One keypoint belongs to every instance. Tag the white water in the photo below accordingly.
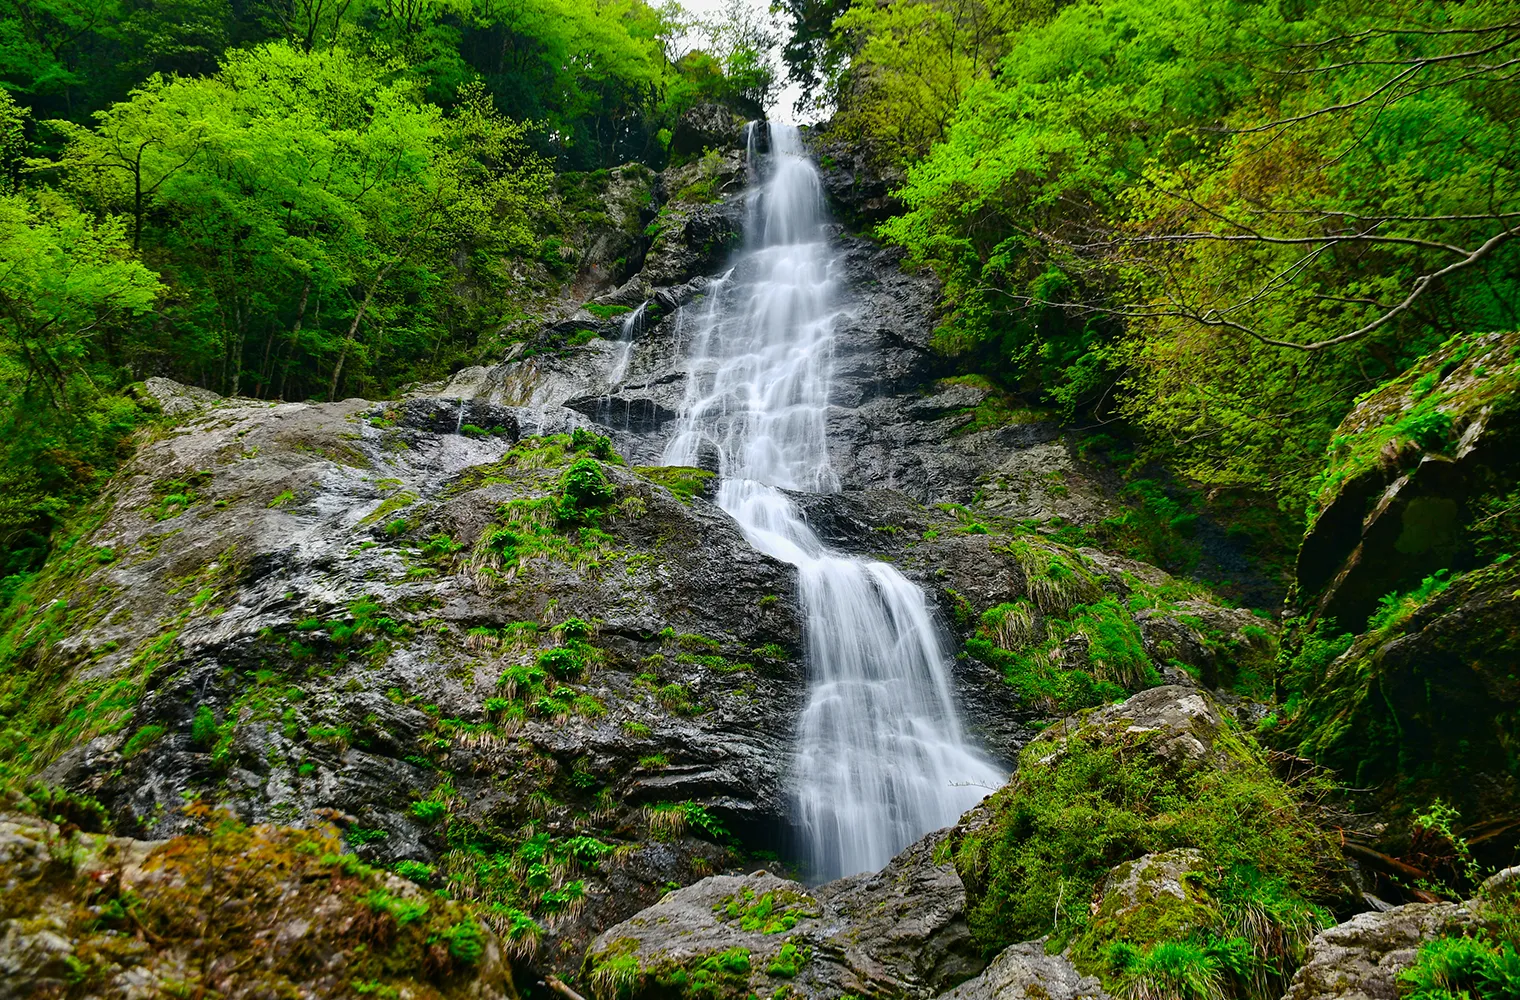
(881, 759)
(633, 324)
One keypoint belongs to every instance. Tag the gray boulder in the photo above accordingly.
(1361, 958)
(900, 932)
(1025, 972)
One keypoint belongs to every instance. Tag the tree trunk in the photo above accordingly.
(295, 336)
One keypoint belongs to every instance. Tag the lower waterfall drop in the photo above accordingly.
(881, 758)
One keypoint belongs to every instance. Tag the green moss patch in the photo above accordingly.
(685, 483)
(1089, 796)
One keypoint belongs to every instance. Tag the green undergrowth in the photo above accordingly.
(1072, 643)
(564, 524)
(1087, 799)
(1482, 964)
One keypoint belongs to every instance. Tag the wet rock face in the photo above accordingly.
(1404, 472)
(859, 186)
(350, 609)
(892, 422)
(900, 932)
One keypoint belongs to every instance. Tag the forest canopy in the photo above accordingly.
(1215, 222)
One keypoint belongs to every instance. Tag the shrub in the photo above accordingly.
(466, 942)
(417, 871)
(584, 492)
(429, 810)
(203, 728)
(142, 740)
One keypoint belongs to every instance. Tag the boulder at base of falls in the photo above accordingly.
(241, 912)
(900, 932)
(1168, 784)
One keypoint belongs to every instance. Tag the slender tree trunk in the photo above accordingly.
(295, 336)
(353, 329)
(266, 374)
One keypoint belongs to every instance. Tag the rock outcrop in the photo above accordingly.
(1409, 551)
(1361, 958)
(350, 607)
(1424, 707)
(1408, 471)
(900, 932)
(1026, 972)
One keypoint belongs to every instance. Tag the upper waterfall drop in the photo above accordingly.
(881, 758)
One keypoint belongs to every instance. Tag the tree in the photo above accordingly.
(1223, 221)
(67, 281)
(292, 198)
(812, 54)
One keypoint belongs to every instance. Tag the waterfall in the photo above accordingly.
(881, 758)
(632, 325)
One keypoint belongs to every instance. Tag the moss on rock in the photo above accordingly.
(1162, 772)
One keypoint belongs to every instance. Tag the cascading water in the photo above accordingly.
(881, 758)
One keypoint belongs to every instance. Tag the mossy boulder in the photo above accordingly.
(227, 910)
(899, 932)
(718, 939)
(1166, 771)
(1408, 473)
(1157, 897)
(1026, 972)
(1425, 705)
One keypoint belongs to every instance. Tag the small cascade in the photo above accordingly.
(459, 420)
(633, 325)
(881, 757)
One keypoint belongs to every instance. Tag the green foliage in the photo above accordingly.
(1463, 968)
(789, 960)
(70, 285)
(429, 810)
(465, 940)
(203, 728)
(1394, 609)
(1091, 182)
(1066, 647)
(769, 912)
(142, 740)
(1179, 970)
(585, 490)
(402, 910)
